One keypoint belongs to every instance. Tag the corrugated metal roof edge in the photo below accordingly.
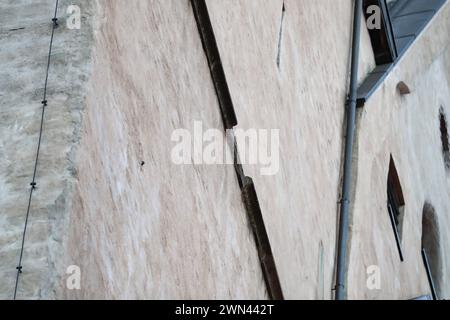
(376, 78)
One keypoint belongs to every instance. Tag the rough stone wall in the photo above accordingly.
(25, 29)
(135, 72)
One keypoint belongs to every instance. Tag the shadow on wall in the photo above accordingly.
(431, 244)
(444, 138)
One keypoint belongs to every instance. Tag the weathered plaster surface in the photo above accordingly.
(408, 128)
(134, 73)
(304, 98)
(161, 230)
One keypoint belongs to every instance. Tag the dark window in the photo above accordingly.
(409, 17)
(382, 39)
(431, 249)
(396, 205)
(444, 139)
(401, 23)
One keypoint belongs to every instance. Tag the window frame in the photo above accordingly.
(395, 205)
(426, 263)
(388, 54)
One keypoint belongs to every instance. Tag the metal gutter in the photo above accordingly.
(348, 157)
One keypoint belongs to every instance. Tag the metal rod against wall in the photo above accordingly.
(266, 258)
(429, 275)
(229, 118)
(33, 183)
(348, 157)
(212, 54)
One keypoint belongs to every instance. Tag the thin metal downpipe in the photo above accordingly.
(347, 178)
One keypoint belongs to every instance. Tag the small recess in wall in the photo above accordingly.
(280, 35)
(403, 88)
(444, 138)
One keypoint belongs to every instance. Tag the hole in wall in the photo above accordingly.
(280, 35)
(395, 196)
(396, 205)
(403, 88)
(444, 138)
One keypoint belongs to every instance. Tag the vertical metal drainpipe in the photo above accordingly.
(348, 157)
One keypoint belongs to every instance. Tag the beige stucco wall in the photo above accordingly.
(305, 99)
(134, 73)
(408, 128)
(163, 230)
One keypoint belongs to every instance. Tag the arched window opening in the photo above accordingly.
(396, 205)
(431, 249)
(444, 139)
